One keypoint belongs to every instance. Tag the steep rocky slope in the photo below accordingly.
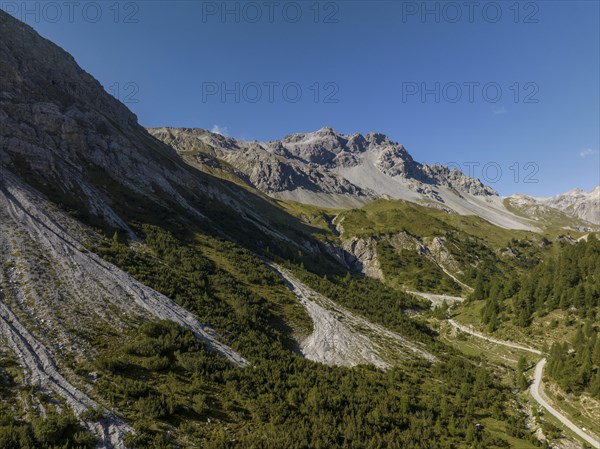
(63, 134)
(56, 296)
(340, 337)
(66, 145)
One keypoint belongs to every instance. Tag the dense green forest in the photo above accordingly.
(568, 281)
(163, 379)
(175, 392)
(576, 367)
(571, 280)
(413, 270)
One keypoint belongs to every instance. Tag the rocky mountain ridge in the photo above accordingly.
(578, 203)
(314, 161)
(329, 169)
(64, 135)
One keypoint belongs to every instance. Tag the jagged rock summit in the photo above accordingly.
(335, 170)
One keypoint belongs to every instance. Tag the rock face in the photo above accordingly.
(60, 128)
(365, 254)
(65, 142)
(271, 167)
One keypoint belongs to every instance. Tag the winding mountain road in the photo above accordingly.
(509, 344)
(436, 299)
(536, 387)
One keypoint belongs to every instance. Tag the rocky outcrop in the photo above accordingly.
(562, 238)
(360, 254)
(438, 248)
(364, 252)
(405, 241)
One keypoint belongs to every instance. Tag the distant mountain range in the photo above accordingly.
(575, 203)
(334, 170)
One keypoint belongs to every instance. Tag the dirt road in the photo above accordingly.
(536, 386)
(536, 389)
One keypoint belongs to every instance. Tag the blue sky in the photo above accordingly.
(505, 85)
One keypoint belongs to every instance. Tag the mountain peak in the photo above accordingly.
(326, 131)
(378, 138)
(574, 192)
(51, 77)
